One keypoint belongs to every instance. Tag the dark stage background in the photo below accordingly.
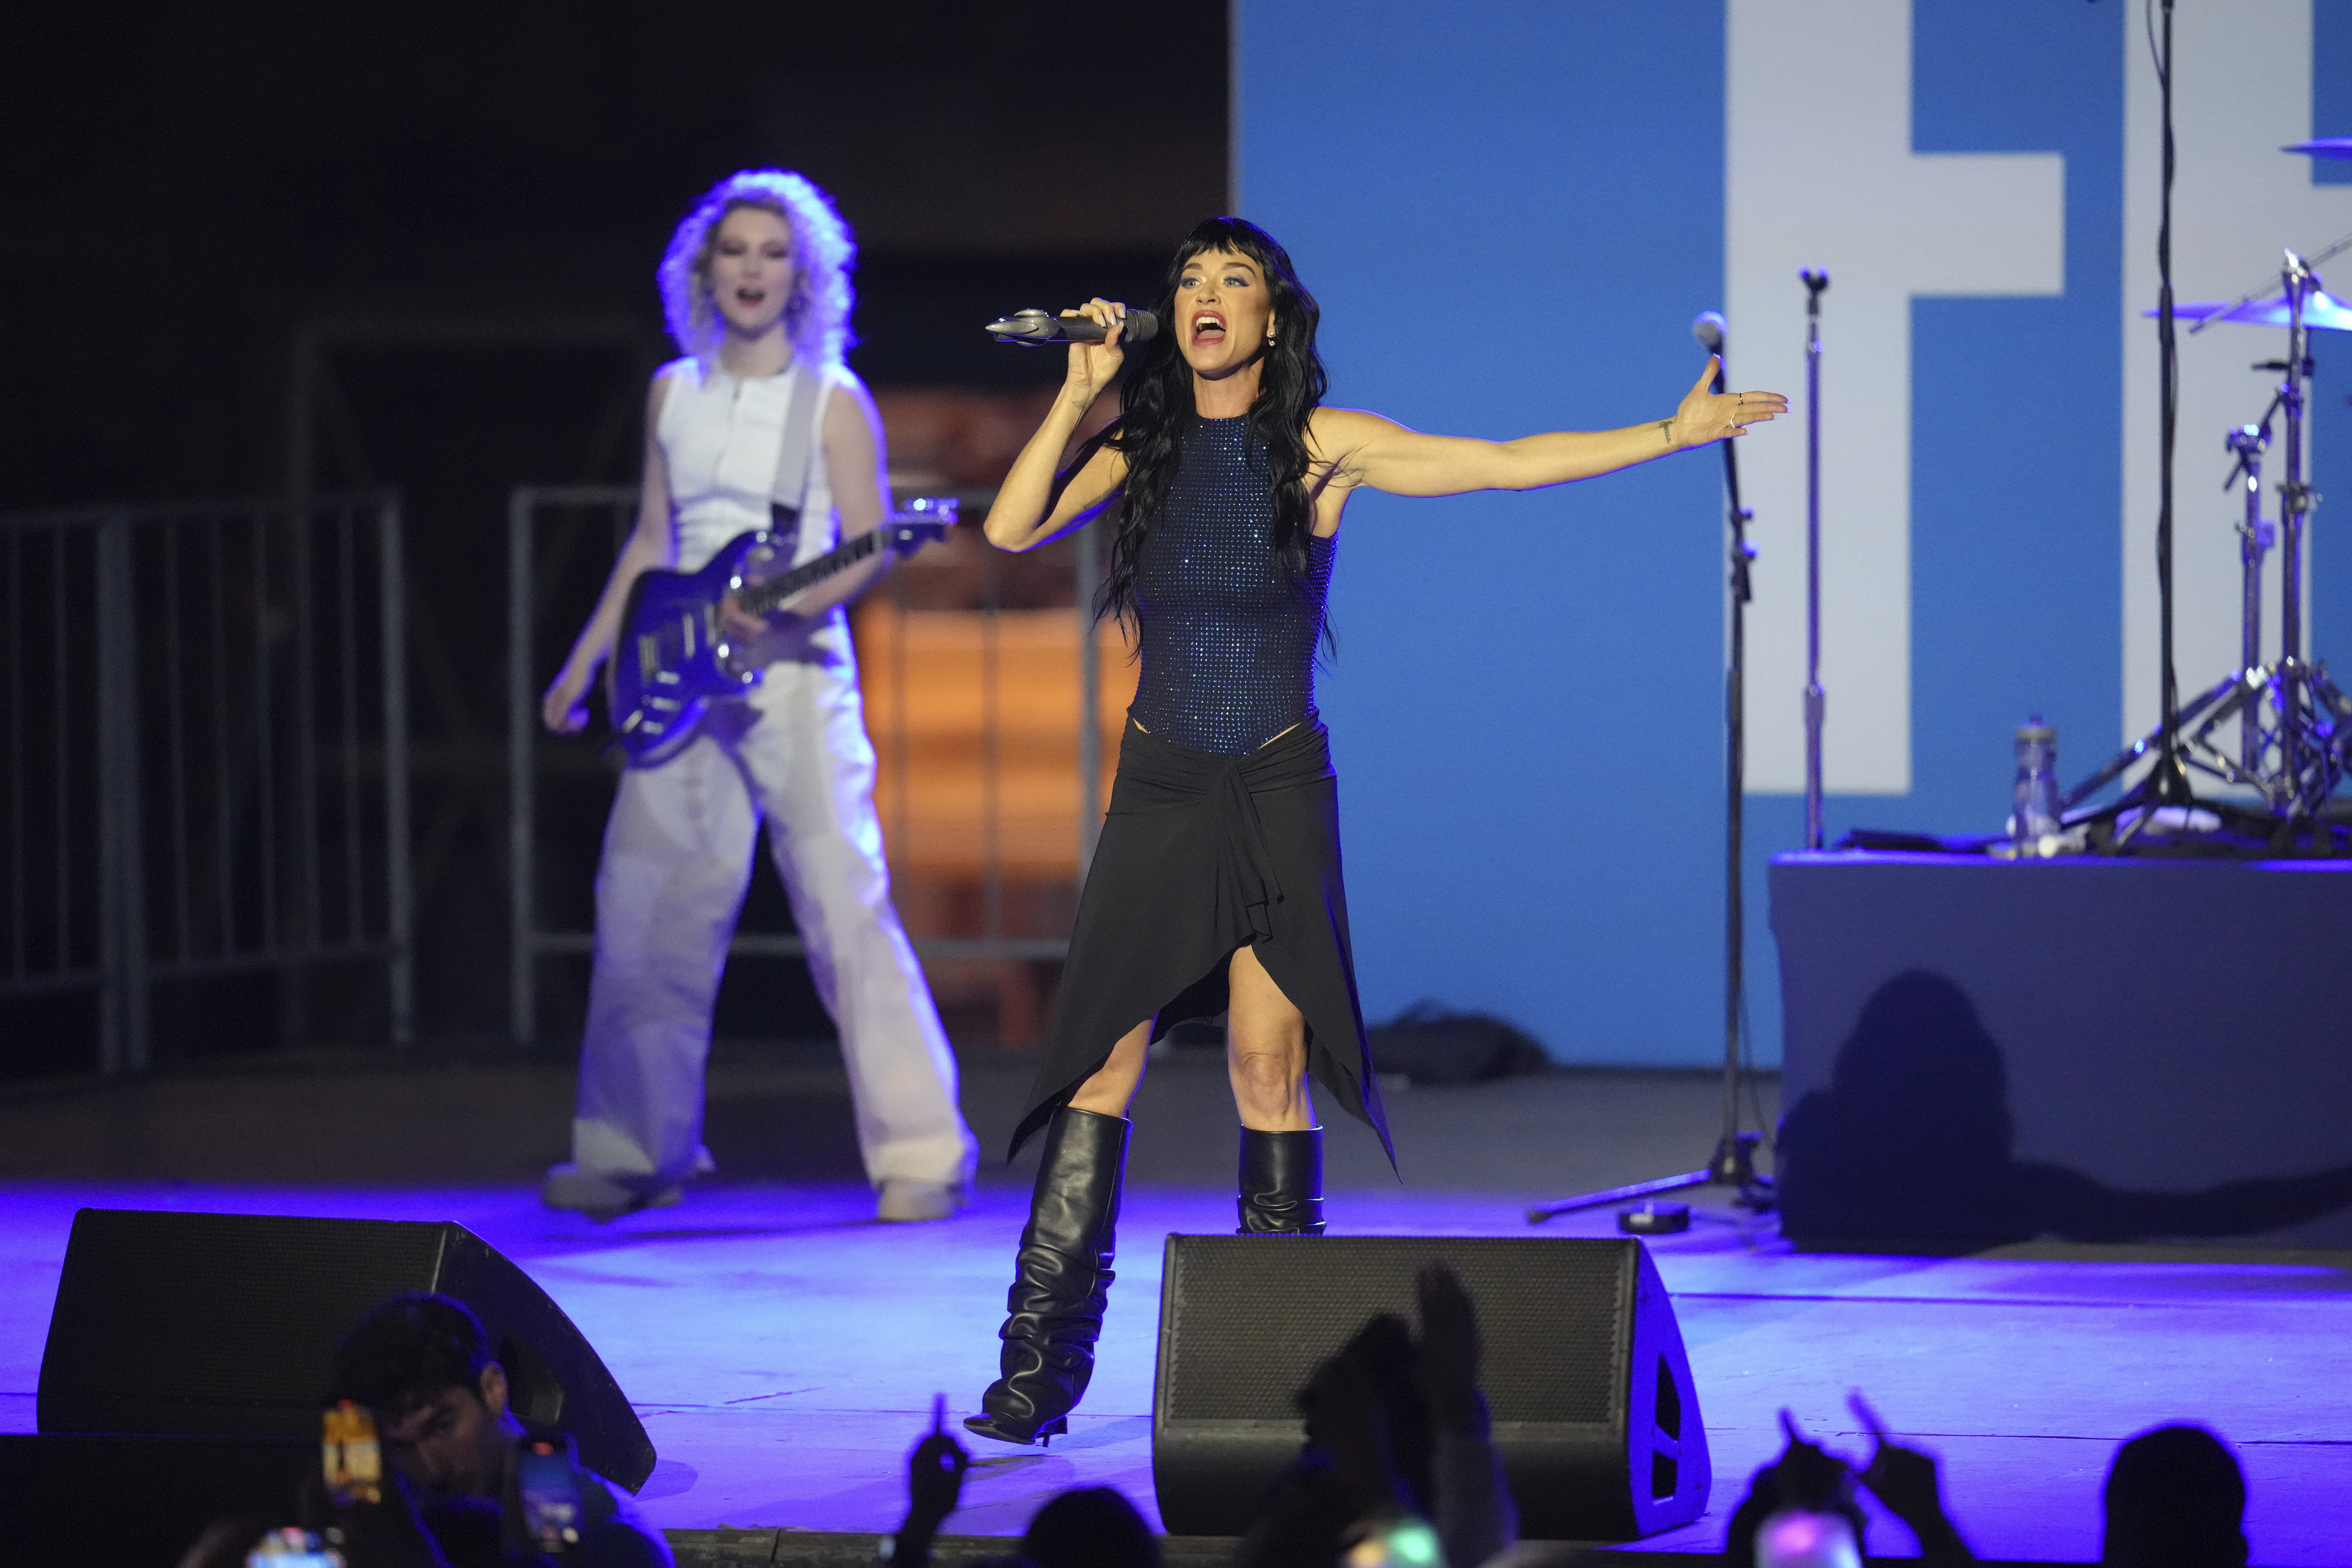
(484, 192)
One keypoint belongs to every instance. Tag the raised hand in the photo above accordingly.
(935, 1478)
(1706, 416)
(1907, 1481)
(1449, 1351)
(1345, 1420)
(1092, 365)
(934, 1484)
(935, 1474)
(1910, 1483)
(1809, 1475)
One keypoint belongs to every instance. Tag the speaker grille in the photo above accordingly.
(225, 1309)
(1549, 1312)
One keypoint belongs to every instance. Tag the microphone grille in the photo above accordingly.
(1707, 328)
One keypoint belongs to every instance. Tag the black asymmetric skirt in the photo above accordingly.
(1202, 854)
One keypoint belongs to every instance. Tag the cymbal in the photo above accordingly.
(2321, 312)
(2326, 147)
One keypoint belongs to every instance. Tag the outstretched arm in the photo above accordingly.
(1382, 455)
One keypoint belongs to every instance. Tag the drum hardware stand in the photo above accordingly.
(2255, 538)
(2294, 727)
(1734, 1162)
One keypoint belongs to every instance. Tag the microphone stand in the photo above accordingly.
(1734, 1162)
(1815, 283)
(2166, 783)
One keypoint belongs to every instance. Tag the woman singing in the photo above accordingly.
(1216, 887)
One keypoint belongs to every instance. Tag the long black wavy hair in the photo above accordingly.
(1157, 399)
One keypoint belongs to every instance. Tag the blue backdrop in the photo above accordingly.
(1510, 210)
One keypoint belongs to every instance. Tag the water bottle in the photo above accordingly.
(2035, 799)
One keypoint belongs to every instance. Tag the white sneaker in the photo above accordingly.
(903, 1201)
(600, 1197)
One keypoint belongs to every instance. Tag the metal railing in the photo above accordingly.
(560, 541)
(204, 712)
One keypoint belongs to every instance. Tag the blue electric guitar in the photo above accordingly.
(674, 657)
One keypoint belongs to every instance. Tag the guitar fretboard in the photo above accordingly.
(762, 598)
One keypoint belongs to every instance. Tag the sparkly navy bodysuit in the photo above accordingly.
(1227, 636)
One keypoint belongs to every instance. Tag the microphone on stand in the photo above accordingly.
(1733, 1165)
(1707, 328)
(1033, 328)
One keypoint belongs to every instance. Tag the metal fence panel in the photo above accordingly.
(206, 770)
(56, 925)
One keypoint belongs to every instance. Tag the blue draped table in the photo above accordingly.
(2130, 1050)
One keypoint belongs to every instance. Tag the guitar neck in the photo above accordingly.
(763, 598)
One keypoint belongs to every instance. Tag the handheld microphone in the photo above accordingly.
(1035, 328)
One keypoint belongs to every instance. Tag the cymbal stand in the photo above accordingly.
(2295, 501)
(2295, 726)
(2255, 538)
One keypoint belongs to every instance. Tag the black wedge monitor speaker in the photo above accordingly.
(1595, 1417)
(223, 1326)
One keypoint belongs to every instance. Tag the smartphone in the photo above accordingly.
(291, 1548)
(549, 1485)
(1400, 1542)
(350, 1453)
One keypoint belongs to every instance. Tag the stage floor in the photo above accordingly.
(784, 1350)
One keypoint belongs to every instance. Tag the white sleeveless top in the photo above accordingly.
(721, 436)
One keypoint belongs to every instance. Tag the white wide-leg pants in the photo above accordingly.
(677, 863)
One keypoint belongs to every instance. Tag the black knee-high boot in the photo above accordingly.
(1060, 1279)
(1282, 1182)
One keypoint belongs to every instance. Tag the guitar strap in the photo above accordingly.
(804, 401)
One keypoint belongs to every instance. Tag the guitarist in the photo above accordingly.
(755, 287)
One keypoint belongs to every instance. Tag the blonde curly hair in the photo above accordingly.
(817, 318)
